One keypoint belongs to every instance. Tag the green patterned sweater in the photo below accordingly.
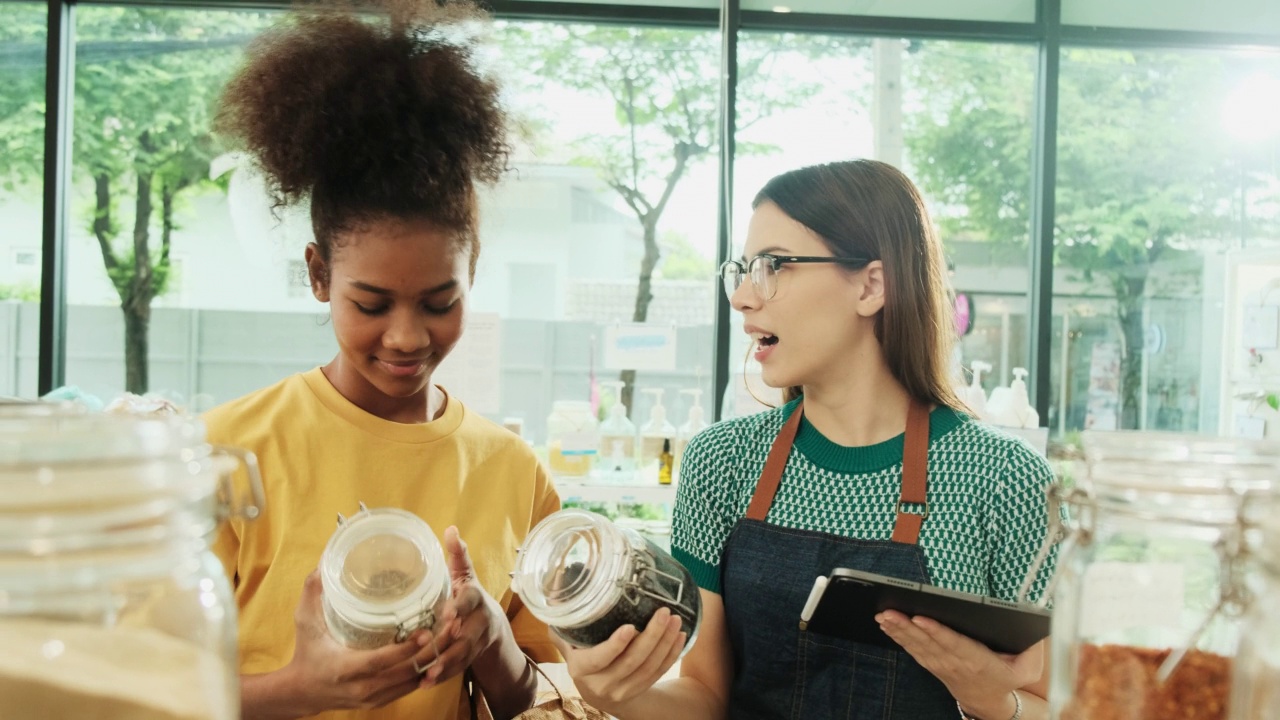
(986, 494)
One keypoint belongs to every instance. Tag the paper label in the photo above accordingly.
(640, 347)
(578, 443)
(1119, 595)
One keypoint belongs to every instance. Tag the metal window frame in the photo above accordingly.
(1046, 31)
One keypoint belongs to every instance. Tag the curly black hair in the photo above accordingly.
(370, 115)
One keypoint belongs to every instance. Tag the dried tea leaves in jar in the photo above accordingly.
(1118, 682)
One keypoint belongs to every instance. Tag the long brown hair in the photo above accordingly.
(866, 208)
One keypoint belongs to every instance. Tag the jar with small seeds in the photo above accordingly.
(585, 577)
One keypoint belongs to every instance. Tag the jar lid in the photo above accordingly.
(46, 433)
(569, 567)
(1180, 463)
(384, 563)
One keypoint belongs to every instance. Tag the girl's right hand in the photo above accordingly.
(627, 664)
(326, 675)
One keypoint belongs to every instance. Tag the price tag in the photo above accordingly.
(1120, 595)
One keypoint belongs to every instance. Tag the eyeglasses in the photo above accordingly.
(763, 270)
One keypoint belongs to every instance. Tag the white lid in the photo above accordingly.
(383, 566)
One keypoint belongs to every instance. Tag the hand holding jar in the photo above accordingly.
(627, 664)
(326, 675)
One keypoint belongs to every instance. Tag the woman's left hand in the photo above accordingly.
(471, 622)
(982, 681)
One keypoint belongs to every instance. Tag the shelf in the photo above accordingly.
(594, 492)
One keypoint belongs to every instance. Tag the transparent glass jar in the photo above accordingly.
(585, 577)
(1255, 691)
(111, 603)
(1154, 579)
(384, 577)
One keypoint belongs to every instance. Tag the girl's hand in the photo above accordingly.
(627, 664)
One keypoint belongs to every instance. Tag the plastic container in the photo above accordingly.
(973, 395)
(585, 577)
(111, 602)
(1154, 582)
(384, 577)
(573, 436)
(616, 461)
(655, 432)
(695, 422)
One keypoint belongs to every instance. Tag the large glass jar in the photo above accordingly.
(585, 577)
(1153, 581)
(1256, 689)
(111, 604)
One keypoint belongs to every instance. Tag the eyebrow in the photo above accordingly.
(772, 249)
(383, 291)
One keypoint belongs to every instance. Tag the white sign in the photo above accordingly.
(472, 373)
(1261, 330)
(639, 347)
(1121, 595)
(1250, 427)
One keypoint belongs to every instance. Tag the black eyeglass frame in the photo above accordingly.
(777, 261)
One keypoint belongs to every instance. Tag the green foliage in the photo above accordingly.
(22, 292)
(682, 261)
(1273, 401)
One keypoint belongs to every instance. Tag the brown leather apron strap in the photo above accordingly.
(767, 485)
(915, 452)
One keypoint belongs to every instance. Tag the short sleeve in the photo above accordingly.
(1021, 523)
(703, 517)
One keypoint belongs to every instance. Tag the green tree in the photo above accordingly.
(1145, 179)
(681, 260)
(146, 81)
(665, 89)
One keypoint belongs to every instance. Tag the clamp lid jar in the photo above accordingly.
(585, 577)
(384, 577)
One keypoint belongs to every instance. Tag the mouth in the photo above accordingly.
(764, 340)
(403, 368)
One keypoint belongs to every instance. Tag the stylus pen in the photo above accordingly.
(819, 584)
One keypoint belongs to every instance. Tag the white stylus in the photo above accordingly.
(819, 585)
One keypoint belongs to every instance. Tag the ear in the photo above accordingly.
(317, 272)
(871, 298)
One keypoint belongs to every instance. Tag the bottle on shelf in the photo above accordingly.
(694, 423)
(616, 460)
(653, 434)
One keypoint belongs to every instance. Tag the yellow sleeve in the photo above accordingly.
(531, 634)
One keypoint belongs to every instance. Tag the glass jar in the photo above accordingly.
(1255, 693)
(1153, 581)
(111, 603)
(573, 436)
(585, 577)
(384, 577)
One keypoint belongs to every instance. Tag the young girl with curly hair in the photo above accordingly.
(384, 125)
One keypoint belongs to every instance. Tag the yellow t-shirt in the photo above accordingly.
(320, 455)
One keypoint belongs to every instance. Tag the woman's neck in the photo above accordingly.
(862, 406)
(420, 407)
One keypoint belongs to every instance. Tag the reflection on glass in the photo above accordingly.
(1164, 184)
(22, 76)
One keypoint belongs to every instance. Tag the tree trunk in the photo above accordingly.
(644, 296)
(1130, 301)
(136, 304)
(137, 321)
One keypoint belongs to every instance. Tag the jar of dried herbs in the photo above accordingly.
(384, 577)
(1156, 577)
(585, 577)
(111, 601)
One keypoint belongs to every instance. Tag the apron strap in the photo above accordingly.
(915, 450)
(767, 485)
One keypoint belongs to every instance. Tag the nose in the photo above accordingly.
(406, 332)
(745, 297)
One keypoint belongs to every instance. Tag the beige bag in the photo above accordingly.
(560, 707)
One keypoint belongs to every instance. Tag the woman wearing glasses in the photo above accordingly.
(842, 288)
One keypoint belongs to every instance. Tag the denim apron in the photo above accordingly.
(767, 572)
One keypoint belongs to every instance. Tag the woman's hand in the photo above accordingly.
(627, 664)
(326, 675)
(471, 623)
(981, 680)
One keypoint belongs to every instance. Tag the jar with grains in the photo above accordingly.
(585, 577)
(111, 603)
(1155, 577)
(384, 577)
(1256, 690)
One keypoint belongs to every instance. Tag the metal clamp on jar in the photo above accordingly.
(111, 603)
(384, 577)
(1154, 580)
(586, 577)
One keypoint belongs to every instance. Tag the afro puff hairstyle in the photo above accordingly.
(370, 115)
